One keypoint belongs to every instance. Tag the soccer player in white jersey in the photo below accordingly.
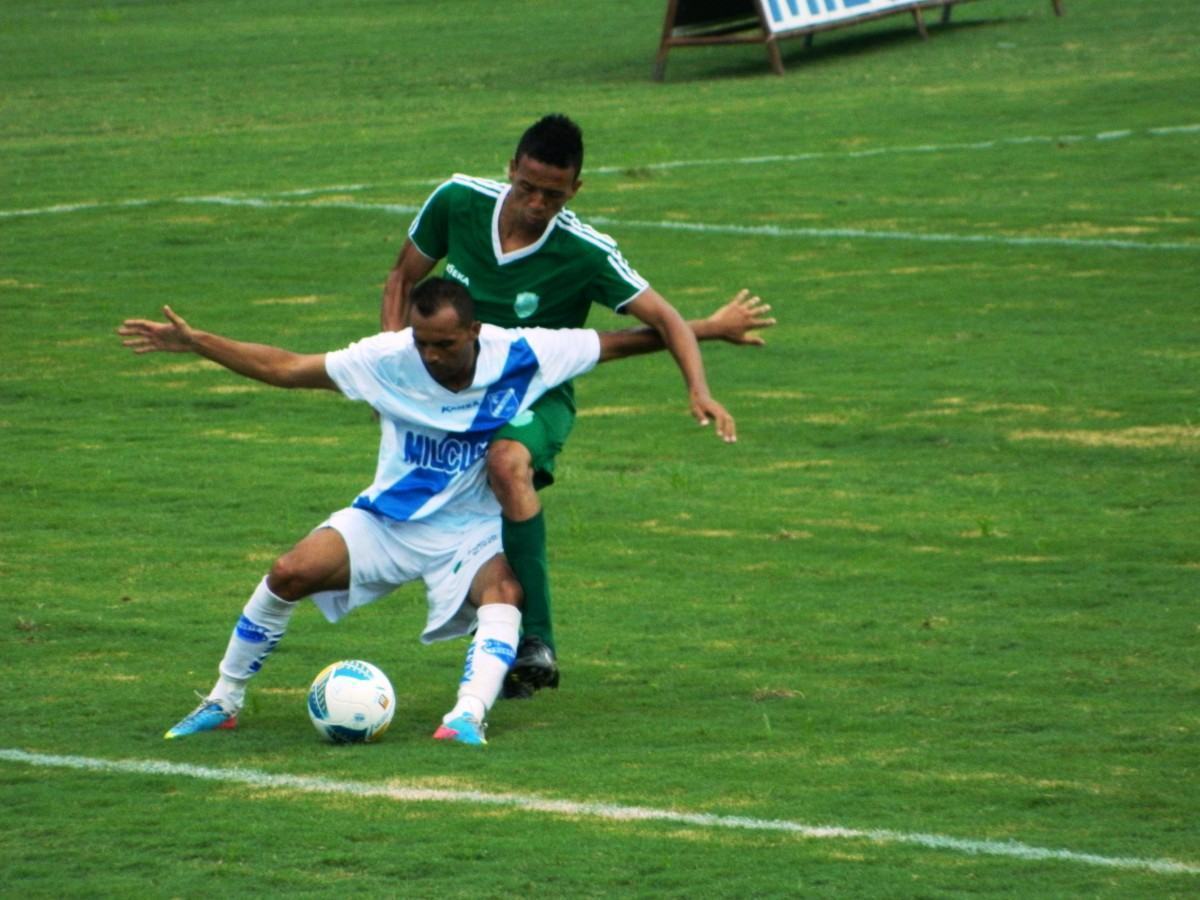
(528, 261)
(442, 387)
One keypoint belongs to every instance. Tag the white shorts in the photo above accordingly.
(385, 554)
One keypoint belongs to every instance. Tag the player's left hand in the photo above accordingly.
(706, 409)
(739, 319)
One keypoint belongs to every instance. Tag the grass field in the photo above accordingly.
(929, 629)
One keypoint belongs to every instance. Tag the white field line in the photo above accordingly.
(71, 207)
(774, 231)
(267, 201)
(920, 236)
(994, 144)
(62, 208)
(603, 811)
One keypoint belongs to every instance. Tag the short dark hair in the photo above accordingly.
(554, 140)
(433, 293)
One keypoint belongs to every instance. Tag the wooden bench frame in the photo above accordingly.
(743, 30)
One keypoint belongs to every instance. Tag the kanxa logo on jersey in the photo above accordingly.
(450, 454)
(454, 272)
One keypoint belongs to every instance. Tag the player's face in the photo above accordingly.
(539, 192)
(447, 347)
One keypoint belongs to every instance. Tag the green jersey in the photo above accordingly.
(549, 284)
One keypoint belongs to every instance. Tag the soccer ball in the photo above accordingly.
(351, 702)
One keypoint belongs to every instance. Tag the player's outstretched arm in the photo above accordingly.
(273, 365)
(653, 309)
(736, 322)
(631, 342)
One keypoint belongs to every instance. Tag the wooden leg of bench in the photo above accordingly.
(660, 65)
(774, 56)
(919, 18)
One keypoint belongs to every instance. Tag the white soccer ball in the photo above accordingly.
(351, 701)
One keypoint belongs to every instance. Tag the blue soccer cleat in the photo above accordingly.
(210, 715)
(466, 729)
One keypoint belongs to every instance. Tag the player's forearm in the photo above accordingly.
(629, 342)
(261, 362)
(411, 266)
(644, 339)
(680, 340)
(393, 313)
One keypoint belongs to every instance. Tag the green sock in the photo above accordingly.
(525, 547)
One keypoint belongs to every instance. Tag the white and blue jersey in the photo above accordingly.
(434, 440)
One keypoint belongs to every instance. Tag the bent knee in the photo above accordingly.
(291, 579)
(511, 593)
(509, 463)
(506, 591)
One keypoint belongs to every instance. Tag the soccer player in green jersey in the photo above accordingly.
(528, 261)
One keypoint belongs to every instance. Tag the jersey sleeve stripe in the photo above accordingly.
(627, 273)
(620, 307)
(480, 185)
(483, 185)
(571, 223)
(412, 228)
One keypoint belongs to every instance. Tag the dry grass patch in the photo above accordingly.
(798, 464)
(1029, 560)
(828, 419)
(1183, 437)
(775, 395)
(306, 300)
(235, 389)
(176, 368)
(656, 527)
(594, 411)
(849, 524)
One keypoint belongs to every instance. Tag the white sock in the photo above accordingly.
(491, 654)
(260, 627)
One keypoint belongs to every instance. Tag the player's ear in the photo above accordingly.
(512, 169)
(475, 326)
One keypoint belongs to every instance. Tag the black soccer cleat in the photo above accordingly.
(536, 668)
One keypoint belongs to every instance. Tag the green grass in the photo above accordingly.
(945, 583)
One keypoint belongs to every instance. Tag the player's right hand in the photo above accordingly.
(706, 409)
(145, 336)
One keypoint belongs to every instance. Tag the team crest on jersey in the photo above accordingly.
(503, 405)
(526, 304)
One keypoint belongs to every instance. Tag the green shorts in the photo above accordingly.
(543, 429)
